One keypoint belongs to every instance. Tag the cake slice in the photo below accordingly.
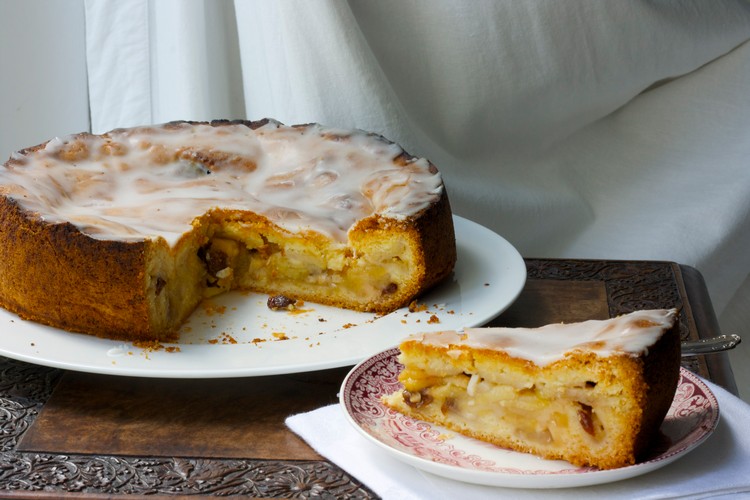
(592, 393)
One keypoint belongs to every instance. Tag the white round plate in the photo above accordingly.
(236, 335)
(691, 419)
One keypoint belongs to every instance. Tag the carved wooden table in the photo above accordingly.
(95, 436)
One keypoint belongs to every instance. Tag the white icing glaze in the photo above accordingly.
(630, 334)
(149, 182)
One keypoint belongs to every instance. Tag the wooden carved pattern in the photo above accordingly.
(176, 476)
(24, 388)
(630, 286)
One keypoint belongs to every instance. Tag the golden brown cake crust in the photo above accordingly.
(54, 274)
(661, 374)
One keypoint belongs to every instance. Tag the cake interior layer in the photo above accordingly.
(379, 270)
(583, 413)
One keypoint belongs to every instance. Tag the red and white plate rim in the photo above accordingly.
(691, 419)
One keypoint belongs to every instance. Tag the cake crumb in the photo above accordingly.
(297, 310)
(414, 306)
(223, 338)
(149, 345)
(433, 319)
(211, 308)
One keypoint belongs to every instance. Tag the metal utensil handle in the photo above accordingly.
(708, 346)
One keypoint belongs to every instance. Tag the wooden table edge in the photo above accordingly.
(707, 326)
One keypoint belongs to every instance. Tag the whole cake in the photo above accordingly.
(122, 234)
(592, 393)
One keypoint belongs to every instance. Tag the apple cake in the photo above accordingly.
(122, 234)
(592, 393)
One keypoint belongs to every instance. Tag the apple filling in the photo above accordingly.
(241, 256)
(543, 416)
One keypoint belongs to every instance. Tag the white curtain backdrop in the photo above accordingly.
(608, 129)
(43, 88)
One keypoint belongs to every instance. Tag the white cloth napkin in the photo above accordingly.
(718, 468)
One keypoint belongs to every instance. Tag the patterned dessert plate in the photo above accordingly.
(692, 417)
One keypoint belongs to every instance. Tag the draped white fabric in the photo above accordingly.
(156, 61)
(609, 129)
(43, 91)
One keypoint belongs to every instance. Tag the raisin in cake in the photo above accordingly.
(592, 393)
(122, 234)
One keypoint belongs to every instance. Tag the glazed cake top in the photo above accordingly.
(629, 334)
(153, 181)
